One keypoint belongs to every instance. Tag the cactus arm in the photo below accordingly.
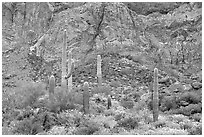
(70, 73)
(70, 65)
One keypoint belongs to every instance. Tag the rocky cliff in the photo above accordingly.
(134, 30)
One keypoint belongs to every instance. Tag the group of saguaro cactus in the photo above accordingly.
(65, 76)
(86, 95)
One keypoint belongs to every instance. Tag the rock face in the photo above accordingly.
(131, 29)
(146, 8)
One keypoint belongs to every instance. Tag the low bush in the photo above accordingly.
(87, 128)
(197, 130)
(190, 109)
(28, 127)
(57, 130)
(186, 125)
(129, 122)
(197, 117)
(21, 97)
(160, 124)
(61, 101)
(102, 89)
(168, 102)
(115, 83)
(190, 97)
(127, 104)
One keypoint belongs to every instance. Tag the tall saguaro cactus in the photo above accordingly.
(64, 58)
(86, 98)
(155, 96)
(69, 71)
(51, 86)
(99, 73)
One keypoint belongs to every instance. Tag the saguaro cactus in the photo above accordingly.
(51, 86)
(64, 58)
(109, 102)
(155, 101)
(86, 98)
(69, 71)
(99, 73)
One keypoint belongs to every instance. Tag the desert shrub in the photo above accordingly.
(168, 102)
(104, 121)
(115, 83)
(127, 104)
(197, 117)
(186, 125)
(146, 116)
(135, 96)
(190, 97)
(8, 102)
(99, 98)
(102, 89)
(30, 92)
(167, 131)
(129, 122)
(196, 130)
(103, 131)
(28, 127)
(173, 125)
(23, 96)
(57, 130)
(97, 107)
(190, 109)
(119, 116)
(178, 118)
(61, 102)
(87, 128)
(19, 98)
(7, 131)
(70, 118)
(160, 124)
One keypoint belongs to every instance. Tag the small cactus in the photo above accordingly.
(51, 86)
(64, 58)
(99, 73)
(109, 102)
(155, 101)
(86, 98)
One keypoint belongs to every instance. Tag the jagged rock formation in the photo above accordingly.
(123, 28)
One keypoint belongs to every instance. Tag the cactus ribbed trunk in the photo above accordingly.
(51, 86)
(64, 58)
(38, 51)
(69, 71)
(86, 98)
(155, 96)
(109, 102)
(99, 73)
